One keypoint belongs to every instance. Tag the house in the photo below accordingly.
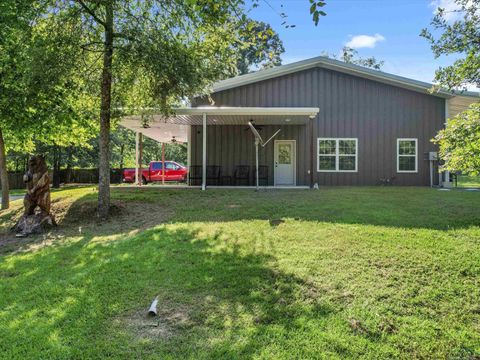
(340, 124)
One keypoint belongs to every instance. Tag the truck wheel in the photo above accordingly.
(144, 181)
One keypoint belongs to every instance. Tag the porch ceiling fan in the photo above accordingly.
(259, 141)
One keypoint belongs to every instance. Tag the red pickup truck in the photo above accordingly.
(173, 172)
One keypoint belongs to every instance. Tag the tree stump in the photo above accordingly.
(33, 224)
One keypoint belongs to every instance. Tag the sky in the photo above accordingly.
(386, 29)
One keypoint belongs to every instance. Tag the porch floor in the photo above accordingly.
(175, 186)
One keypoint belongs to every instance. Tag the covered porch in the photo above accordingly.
(237, 146)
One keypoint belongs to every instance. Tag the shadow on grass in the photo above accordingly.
(81, 296)
(71, 300)
(402, 207)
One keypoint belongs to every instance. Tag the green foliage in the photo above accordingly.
(350, 56)
(457, 37)
(164, 52)
(15, 95)
(41, 99)
(460, 142)
(315, 10)
(260, 46)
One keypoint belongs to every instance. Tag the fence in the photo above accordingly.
(72, 176)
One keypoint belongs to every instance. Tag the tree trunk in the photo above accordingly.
(56, 167)
(122, 150)
(68, 172)
(104, 166)
(4, 174)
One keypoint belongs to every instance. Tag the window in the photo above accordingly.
(339, 155)
(407, 152)
(170, 166)
(157, 166)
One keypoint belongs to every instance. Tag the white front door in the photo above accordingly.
(285, 162)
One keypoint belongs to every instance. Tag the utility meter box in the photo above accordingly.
(432, 156)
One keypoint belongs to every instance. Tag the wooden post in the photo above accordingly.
(257, 184)
(138, 158)
(204, 152)
(189, 152)
(141, 158)
(163, 163)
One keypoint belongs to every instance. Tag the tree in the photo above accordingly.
(39, 92)
(460, 37)
(350, 56)
(460, 142)
(166, 50)
(260, 47)
(13, 31)
(460, 33)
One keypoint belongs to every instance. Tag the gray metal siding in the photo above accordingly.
(232, 145)
(375, 113)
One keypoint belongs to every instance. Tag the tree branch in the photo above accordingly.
(92, 13)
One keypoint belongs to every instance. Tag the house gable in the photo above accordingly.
(335, 65)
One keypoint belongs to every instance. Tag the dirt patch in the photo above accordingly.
(275, 222)
(78, 218)
(233, 206)
(161, 327)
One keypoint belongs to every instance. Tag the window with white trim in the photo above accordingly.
(407, 155)
(337, 154)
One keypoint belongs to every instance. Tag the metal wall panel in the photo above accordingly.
(375, 113)
(232, 145)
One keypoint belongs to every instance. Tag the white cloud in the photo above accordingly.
(364, 41)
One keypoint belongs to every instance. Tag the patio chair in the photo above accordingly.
(195, 175)
(262, 175)
(213, 174)
(241, 174)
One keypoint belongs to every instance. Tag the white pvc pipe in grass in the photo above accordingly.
(153, 308)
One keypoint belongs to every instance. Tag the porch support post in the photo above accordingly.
(138, 158)
(256, 164)
(189, 152)
(204, 152)
(163, 163)
(312, 150)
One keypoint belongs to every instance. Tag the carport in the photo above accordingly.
(179, 125)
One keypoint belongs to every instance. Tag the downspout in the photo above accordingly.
(138, 140)
(446, 173)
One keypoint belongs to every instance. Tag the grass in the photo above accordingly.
(342, 273)
(466, 181)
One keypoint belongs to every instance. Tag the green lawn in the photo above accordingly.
(378, 273)
(466, 181)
